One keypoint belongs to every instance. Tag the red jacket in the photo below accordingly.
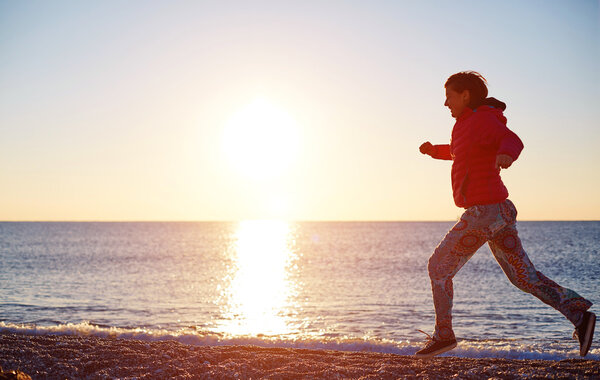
(477, 138)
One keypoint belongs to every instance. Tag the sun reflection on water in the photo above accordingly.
(259, 296)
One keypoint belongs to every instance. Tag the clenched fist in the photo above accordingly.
(426, 148)
(503, 161)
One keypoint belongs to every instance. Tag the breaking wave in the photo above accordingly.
(507, 349)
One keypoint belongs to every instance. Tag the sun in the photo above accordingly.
(261, 140)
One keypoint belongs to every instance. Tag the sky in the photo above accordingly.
(307, 110)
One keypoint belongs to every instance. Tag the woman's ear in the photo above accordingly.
(466, 97)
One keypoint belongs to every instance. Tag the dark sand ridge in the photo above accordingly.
(88, 357)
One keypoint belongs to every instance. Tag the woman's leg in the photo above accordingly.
(508, 251)
(457, 247)
(506, 247)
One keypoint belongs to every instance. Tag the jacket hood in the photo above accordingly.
(493, 102)
(496, 111)
(490, 105)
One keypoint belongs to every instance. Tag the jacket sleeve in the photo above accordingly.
(498, 134)
(510, 144)
(441, 152)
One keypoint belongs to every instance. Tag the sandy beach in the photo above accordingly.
(88, 357)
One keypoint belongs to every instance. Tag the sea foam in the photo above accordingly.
(466, 348)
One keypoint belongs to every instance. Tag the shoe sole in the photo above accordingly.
(589, 335)
(435, 353)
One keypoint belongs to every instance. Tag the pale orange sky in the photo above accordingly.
(127, 111)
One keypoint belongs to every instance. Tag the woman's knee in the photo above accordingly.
(439, 264)
(431, 267)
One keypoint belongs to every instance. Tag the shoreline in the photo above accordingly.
(81, 357)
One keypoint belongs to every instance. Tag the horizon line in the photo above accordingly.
(273, 219)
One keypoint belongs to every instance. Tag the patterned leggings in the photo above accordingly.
(495, 224)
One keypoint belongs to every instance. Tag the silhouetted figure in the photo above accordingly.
(480, 146)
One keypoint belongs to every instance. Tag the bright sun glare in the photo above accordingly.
(261, 140)
(260, 292)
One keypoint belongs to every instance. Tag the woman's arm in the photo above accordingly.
(440, 152)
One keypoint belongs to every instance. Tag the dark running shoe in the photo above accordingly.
(435, 347)
(585, 332)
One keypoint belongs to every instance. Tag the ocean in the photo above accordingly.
(355, 286)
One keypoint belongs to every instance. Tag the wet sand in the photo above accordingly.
(88, 357)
